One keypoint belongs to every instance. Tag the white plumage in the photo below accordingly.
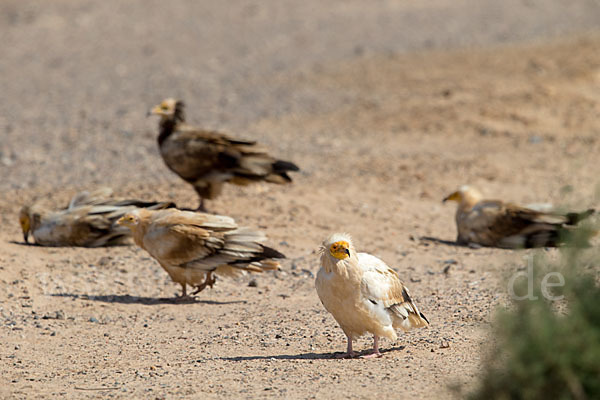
(364, 294)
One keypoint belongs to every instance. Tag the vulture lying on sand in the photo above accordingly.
(88, 220)
(499, 224)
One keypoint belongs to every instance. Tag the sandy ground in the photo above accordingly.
(385, 116)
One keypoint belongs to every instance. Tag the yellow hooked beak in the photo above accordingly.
(452, 197)
(340, 250)
(128, 221)
(25, 227)
(156, 110)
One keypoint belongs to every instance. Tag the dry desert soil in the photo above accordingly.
(386, 106)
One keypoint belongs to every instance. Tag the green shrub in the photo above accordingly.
(549, 349)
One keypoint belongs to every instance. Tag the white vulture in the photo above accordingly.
(88, 221)
(191, 246)
(207, 159)
(496, 223)
(363, 294)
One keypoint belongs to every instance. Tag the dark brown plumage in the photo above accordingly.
(88, 220)
(499, 224)
(208, 159)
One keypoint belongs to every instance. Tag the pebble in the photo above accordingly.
(535, 139)
(104, 261)
(308, 272)
(55, 315)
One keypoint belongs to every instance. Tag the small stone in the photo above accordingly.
(6, 161)
(104, 260)
(308, 272)
(93, 319)
(253, 283)
(535, 139)
(280, 275)
(55, 315)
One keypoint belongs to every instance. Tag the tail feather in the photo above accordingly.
(151, 205)
(90, 198)
(573, 218)
(280, 166)
(280, 169)
(269, 252)
(409, 315)
(269, 265)
(279, 178)
(542, 238)
(262, 258)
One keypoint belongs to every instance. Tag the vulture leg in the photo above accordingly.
(209, 281)
(349, 353)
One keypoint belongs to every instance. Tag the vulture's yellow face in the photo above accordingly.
(165, 108)
(465, 195)
(340, 250)
(25, 223)
(129, 220)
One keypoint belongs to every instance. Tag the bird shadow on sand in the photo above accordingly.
(447, 242)
(127, 299)
(63, 247)
(308, 356)
(23, 243)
